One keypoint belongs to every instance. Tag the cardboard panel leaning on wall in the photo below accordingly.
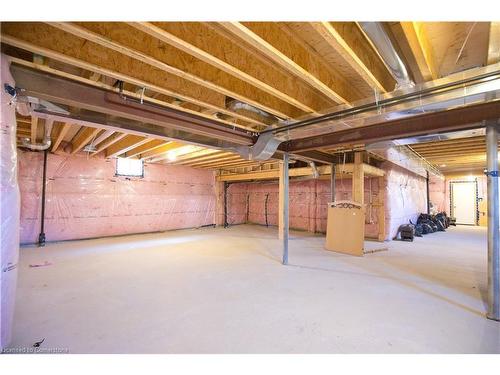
(86, 200)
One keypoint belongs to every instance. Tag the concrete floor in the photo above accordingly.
(225, 291)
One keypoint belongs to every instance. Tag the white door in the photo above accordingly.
(464, 202)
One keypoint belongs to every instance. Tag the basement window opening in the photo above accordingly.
(129, 167)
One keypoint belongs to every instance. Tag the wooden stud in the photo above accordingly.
(358, 179)
(381, 208)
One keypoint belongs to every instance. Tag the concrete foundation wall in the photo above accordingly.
(85, 199)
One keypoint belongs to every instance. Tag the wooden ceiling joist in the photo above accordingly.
(197, 155)
(148, 97)
(59, 132)
(84, 136)
(325, 84)
(224, 87)
(56, 45)
(349, 42)
(149, 146)
(112, 139)
(420, 48)
(125, 144)
(161, 150)
(216, 52)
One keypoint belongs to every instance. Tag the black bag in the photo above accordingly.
(406, 232)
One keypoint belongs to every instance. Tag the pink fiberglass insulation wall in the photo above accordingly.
(404, 194)
(406, 197)
(308, 204)
(437, 193)
(85, 199)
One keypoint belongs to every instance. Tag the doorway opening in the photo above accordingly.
(463, 202)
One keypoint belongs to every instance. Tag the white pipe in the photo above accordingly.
(46, 138)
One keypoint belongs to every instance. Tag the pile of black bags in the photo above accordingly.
(426, 224)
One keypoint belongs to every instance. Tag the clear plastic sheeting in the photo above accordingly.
(85, 199)
(405, 197)
(258, 203)
(9, 209)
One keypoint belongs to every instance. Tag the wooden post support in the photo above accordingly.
(381, 208)
(358, 179)
(219, 202)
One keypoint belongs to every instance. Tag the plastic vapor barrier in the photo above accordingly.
(9, 209)
(85, 199)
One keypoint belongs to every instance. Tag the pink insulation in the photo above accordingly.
(9, 209)
(437, 193)
(85, 199)
(406, 197)
(308, 203)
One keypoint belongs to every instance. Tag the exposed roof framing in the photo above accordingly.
(292, 70)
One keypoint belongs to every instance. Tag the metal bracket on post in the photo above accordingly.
(491, 173)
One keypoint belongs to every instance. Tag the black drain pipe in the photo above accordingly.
(41, 236)
(428, 195)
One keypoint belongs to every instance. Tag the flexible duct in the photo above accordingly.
(383, 44)
(46, 139)
(315, 171)
(236, 105)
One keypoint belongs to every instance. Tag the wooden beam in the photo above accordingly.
(381, 208)
(421, 49)
(104, 135)
(127, 143)
(34, 128)
(182, 69)
(83, 137)
(494, 43)
(358, 179)
(207, 113)
(151, 145)
(108, 142)
(210, 53)
(285, 61)
(161, 150)
(55, 44)
(60, 133)
(349, 42)
(198, 156)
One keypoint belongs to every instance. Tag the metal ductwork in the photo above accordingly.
(236, 105)
(263, 149)
(385, 48)
(46, 139)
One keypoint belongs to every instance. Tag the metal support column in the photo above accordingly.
(285, 180)
(41, 236)
(493, 221)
